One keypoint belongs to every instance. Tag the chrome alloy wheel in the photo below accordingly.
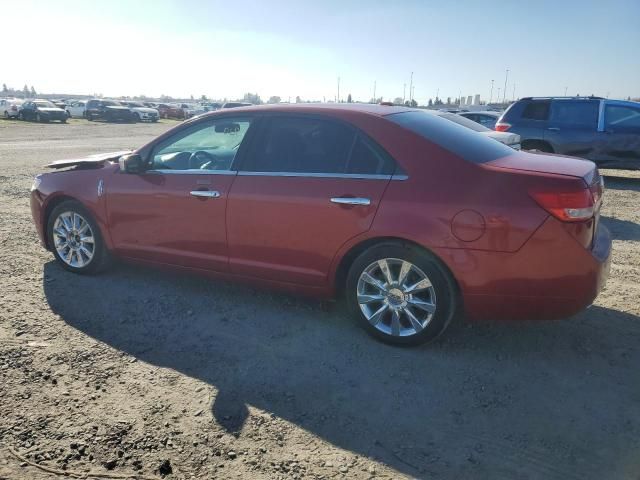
(396, 297)
(73, 239)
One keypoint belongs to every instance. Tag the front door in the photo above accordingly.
(306, 186)
(572, 127)
(174, 213)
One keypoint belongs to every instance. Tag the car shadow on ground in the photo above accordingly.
(621, 183)
(527, 400)
(622, 229)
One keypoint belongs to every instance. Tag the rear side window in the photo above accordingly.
(470, 145)
(582, 114)
(621, 118)
(314, 145)
(536, 111)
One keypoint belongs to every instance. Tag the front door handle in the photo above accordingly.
(554, 129)
(351, 201)
(205, 193)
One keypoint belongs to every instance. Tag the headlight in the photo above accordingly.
(36, 183)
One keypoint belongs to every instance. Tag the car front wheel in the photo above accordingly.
(75, 239)
(401, 294)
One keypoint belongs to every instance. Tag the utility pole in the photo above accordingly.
(338, 89)
(514, 91)
(565, 91)
(413, 91)
(498, 97)
(491, 94)
(411, 88)
(437, 93)
(404, 92)
(504, 92)
(459, 98)
(374, 91)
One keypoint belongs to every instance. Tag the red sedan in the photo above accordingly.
(410, 217)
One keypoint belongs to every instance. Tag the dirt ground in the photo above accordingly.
(141, 372)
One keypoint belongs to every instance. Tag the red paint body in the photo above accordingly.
(511, 259)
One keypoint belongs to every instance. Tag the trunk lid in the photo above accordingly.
(546, 163)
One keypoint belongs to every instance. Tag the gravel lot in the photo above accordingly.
(140, 372)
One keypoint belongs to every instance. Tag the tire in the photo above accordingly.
(537, 145)
(88, 116)
(20, 116)
(432, 304)
(64, 120)
(137, 118)
(6, 114)
(64, 219)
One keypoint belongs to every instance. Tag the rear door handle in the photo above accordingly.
(205, 193)
(351, 201)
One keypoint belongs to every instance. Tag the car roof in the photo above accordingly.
(319, 108)
(485, 112)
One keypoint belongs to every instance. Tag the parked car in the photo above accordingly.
(191, 109)
(486, 119)
(108, 110)
(169, 110)
(210, 106)
(10, 107)
(237, 104)
(144, 113)
(60, 103)
(412, 218)
(604, 131)
(76, 108)
(510, 139)
(41, 111)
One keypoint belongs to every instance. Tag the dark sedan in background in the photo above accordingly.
(42, 111)
(598, 129)
(109, 110)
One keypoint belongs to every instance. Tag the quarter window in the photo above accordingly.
(205, 146)
(536, 111)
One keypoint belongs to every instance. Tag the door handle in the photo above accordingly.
(351, 201)
(205, 193)
(554, 129)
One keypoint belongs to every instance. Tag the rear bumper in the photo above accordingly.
(552, 276)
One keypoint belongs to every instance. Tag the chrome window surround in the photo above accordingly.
(356, 176)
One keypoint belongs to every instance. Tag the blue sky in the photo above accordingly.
(297, 47)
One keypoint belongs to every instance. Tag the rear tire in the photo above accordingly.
(537, 145)
(413, 304)
(75, 239)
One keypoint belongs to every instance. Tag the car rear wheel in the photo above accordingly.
(401, 295)
(38, 117)
(75, 239)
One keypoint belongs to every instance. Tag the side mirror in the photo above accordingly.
(131, 163)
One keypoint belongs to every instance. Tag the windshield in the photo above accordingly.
(135, 104)
(111, 103)
(45, 104)
(465, 122)
(465, 143)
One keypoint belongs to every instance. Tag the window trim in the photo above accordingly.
(398, 173)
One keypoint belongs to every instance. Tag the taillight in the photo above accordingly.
(502, 126)
(567, 206)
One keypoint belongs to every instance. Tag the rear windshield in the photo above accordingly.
(471, 146)
(465, 122)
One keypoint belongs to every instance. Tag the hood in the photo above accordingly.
(90, 160)
(545, 163)
(503, 137)
(50, 110)
(144, 109)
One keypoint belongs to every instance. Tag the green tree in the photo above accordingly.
(25, 90)
(203, 98)
(448, 100)
(4, 88)
(349, 99)
(298, 99)
(430, 103)
(33, 91)
(274, 99)
(397, 101)
(414, 103)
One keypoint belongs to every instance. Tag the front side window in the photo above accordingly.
(204, 146)
(315, 146)
(583, 113)
(621, 118)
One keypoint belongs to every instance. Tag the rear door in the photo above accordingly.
(572, 127)
(306, 186)
(619, 141)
